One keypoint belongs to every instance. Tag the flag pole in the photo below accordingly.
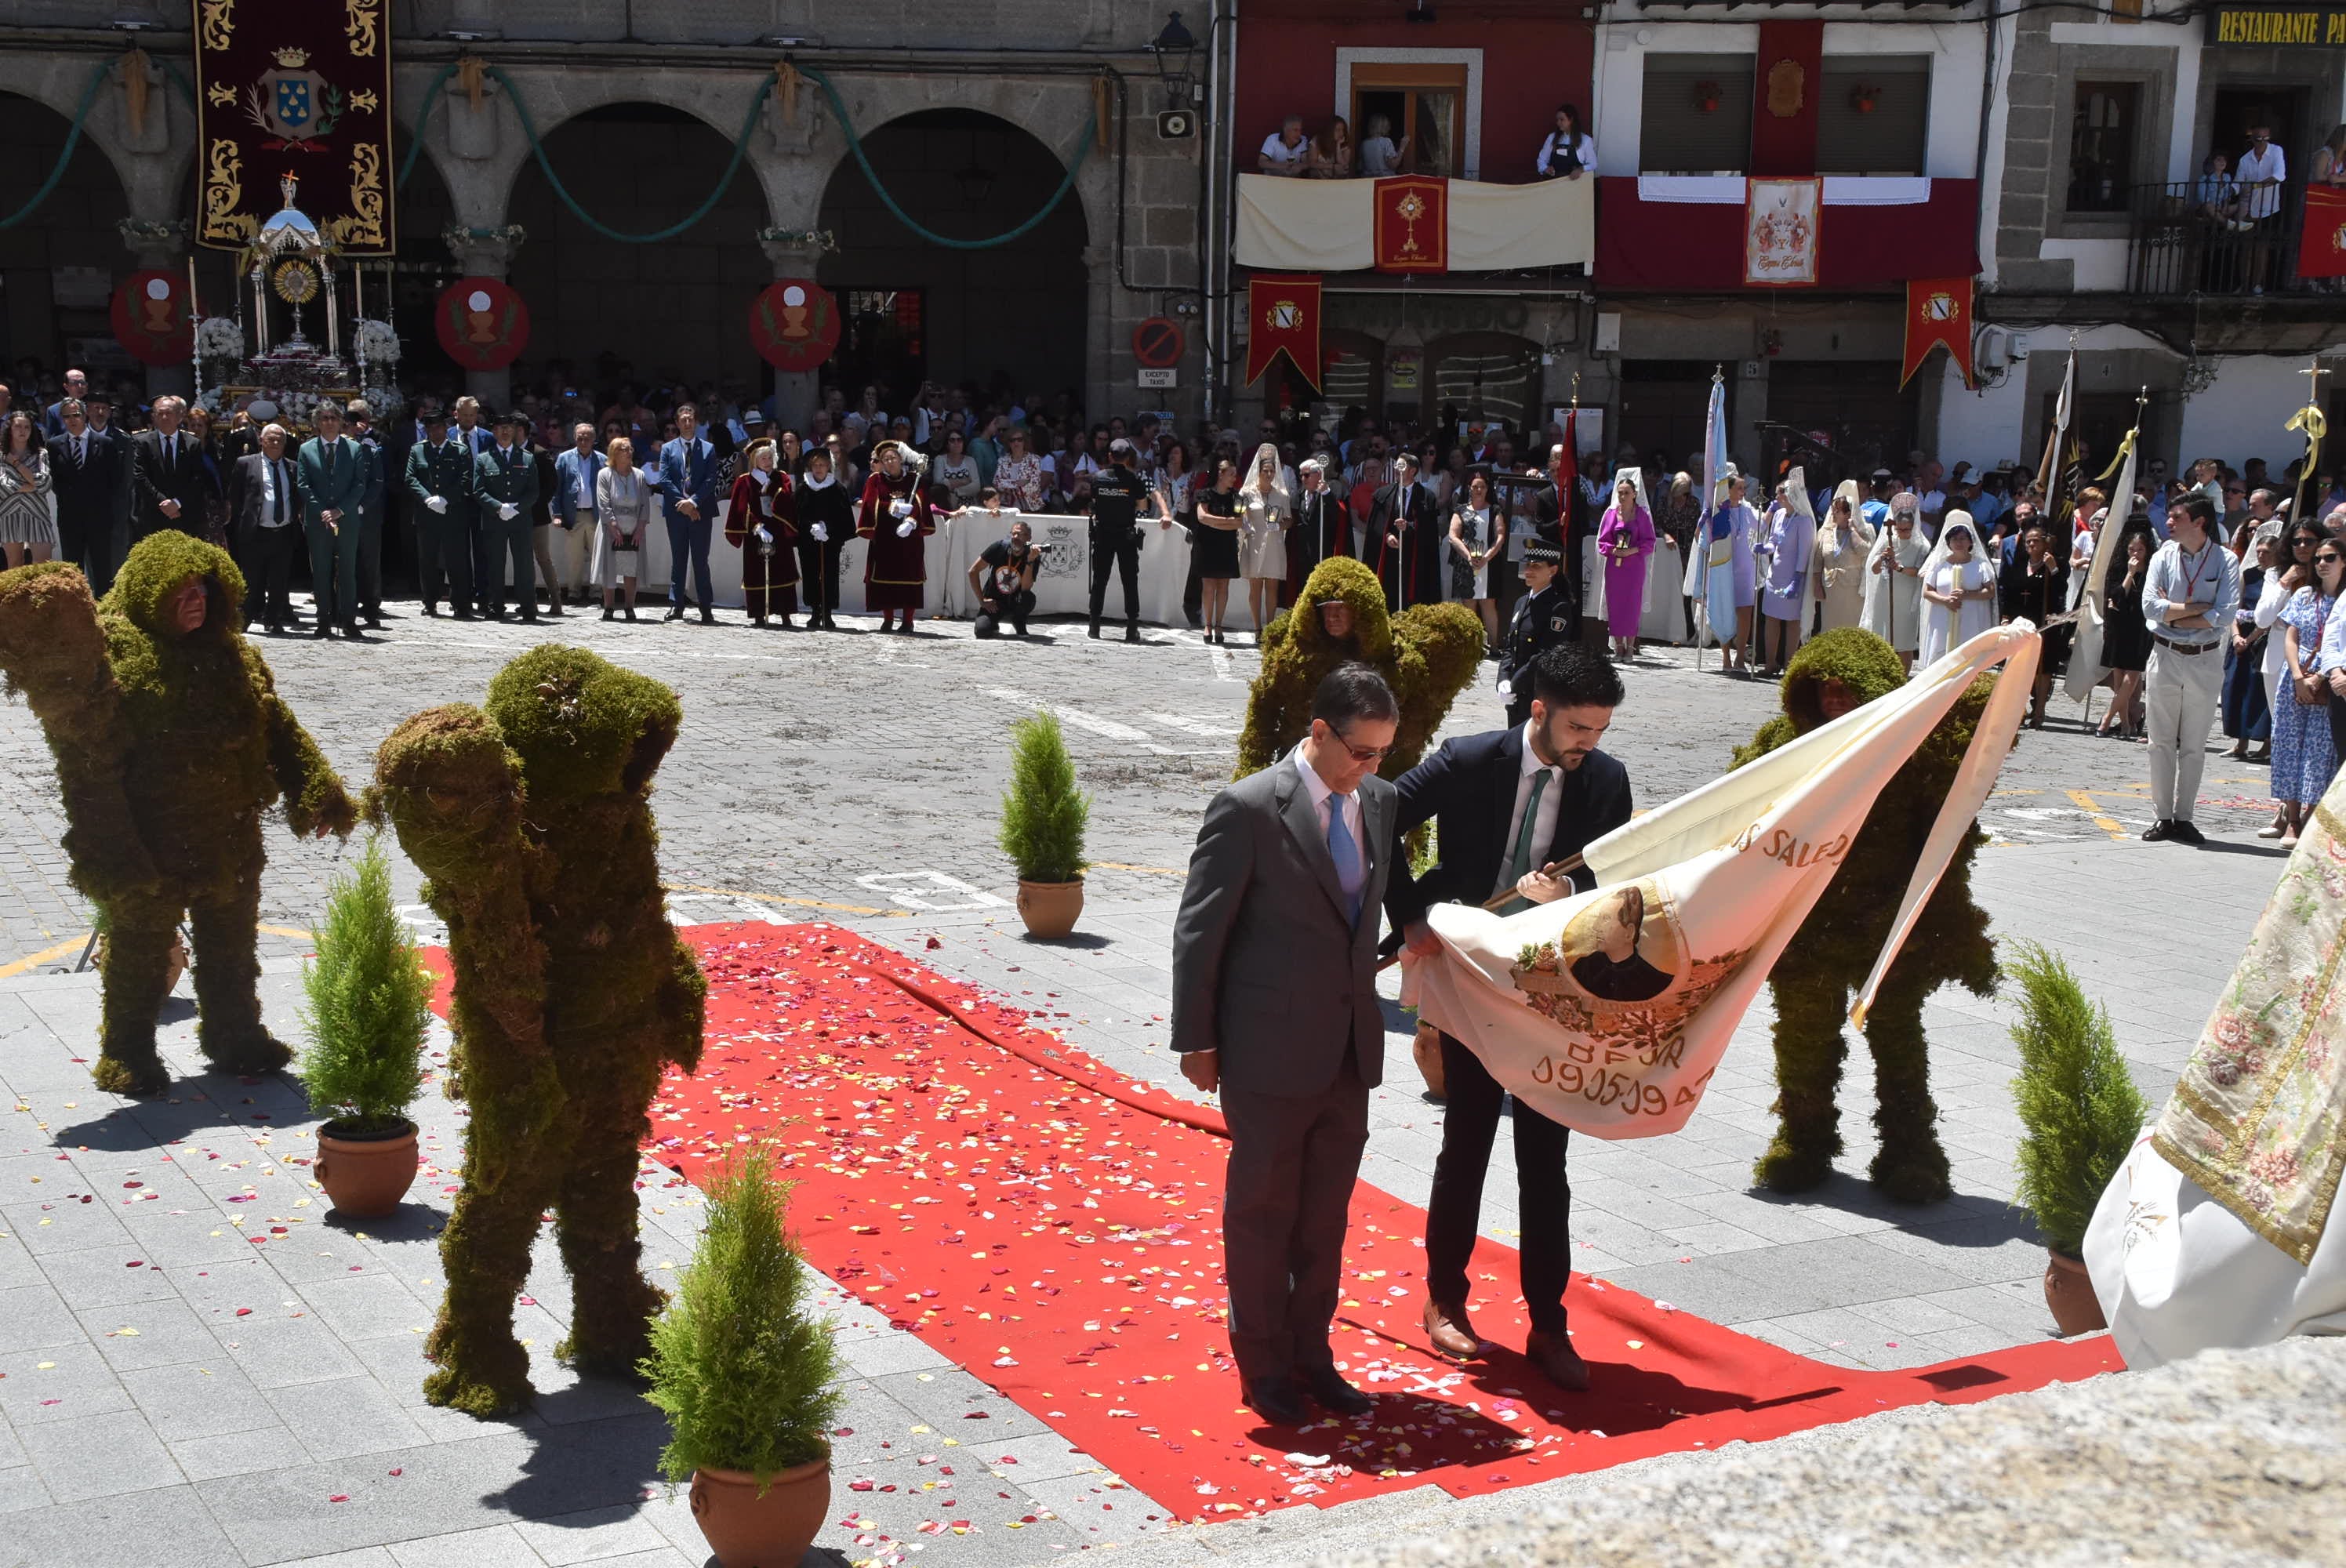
(1713, 460)
(2315, 425)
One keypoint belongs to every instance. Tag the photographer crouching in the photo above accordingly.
(1003, 578)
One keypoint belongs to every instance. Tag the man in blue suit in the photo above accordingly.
(688, 484)
(505, 490)
(1510, 804)
(333, 475)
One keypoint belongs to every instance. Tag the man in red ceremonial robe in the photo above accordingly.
(761, 519)
(895, 518)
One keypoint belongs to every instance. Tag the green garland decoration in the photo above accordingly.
(170, 746)
(1427, 654)
(533, 821)
(1835, 947)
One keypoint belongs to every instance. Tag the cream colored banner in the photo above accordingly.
(1294, 224)
(1609, 1012)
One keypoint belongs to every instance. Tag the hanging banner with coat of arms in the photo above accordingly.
(1783, 222)
(1283, 317)
(298, 88)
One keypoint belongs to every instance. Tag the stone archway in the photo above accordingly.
(920, 311)
(675, 310)
(58, 268)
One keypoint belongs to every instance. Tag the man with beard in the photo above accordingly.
(1512, 805)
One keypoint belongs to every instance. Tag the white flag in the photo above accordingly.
(1714, 479)
(1609, 1011)
(2085, 667)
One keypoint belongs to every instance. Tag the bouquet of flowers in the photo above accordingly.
(376, 342)
(218, 337)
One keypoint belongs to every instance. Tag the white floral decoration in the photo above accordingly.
(218, 337)
(377, 342)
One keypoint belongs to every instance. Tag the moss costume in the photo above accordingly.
(1835, 948)
(169, 744)
(1427, 654)
(573, 995)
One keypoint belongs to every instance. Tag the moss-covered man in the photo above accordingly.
(1426, 653)
(170, 742)
(573, 995)
(1835, 948)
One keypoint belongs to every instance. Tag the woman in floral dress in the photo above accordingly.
(2303, 758)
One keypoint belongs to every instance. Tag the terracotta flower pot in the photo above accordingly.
(365, 1176)
(2069, 1293)
(747, 1531)
(1049, 909)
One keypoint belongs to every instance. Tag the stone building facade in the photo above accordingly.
(972, 116)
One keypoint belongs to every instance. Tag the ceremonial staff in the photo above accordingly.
(2311, 420)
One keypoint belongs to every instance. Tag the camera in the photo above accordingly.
(1039, 549)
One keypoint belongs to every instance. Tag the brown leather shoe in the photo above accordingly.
(1452, 1334)
(1561, 1364)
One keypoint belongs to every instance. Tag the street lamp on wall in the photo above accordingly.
(1173, 48)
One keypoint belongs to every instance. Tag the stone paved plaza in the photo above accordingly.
(198, 1367)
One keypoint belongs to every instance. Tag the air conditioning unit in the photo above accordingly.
(1177, 125)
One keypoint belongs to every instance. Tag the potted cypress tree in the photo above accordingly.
(368, 1004)
(747, 1376)
(1043, 819)
(2080, 1112)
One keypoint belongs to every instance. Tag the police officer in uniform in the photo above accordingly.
(1542, 620)
(1117, 493)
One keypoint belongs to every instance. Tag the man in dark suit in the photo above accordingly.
(1510, 804)
(332, 473)
(77, 390)
(371, 510)
(264, 510)
(688, 485)
(440, 479)
(167, 474)
(1275, 1006)
(505, 490)
(1405, 539)
(86, 465)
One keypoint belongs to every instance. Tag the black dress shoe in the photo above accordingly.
(1278, 1402)
(609, 613)
(1327, 1388)
(675, 613)
(463, 615)
(1095, 631)
(432, 609)
(708, 616)
(631, 614)
(2184, 830)
(1132, 634)
(2158, 832)
(351, 630)
(530, 617)
(325, 630)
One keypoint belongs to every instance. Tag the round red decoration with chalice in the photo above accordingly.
(482, 322)
(150, 318)
(794, 323)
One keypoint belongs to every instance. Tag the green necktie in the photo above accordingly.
(1521, 862)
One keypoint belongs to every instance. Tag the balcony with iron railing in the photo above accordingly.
(2212, 236)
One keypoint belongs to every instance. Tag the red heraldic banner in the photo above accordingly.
(2321, 253)
(1283, 316)
(1784, 98)
(1412, 226)
(300, 88)
(1938, 312)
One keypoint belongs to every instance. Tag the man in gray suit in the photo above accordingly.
(1275, 1006)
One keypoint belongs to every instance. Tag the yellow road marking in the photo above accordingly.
(796, 903)
(2094, 808)
(34, 961)
(288, 930)
(1152, 870)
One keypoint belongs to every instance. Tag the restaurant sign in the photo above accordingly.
(2285, 26)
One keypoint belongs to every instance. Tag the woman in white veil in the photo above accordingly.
(1624, 542)
(1266, 511)
(1844, 543)
(1958, 589)
(1893, 579)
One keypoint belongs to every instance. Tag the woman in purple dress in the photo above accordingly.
(1626, 540)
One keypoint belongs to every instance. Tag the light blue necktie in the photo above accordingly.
(1351, 875)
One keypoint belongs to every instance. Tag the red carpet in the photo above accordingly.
(1056, 1230)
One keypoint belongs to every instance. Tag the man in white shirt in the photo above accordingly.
(2263, 170)
(2188, 599)
(1284, 154)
